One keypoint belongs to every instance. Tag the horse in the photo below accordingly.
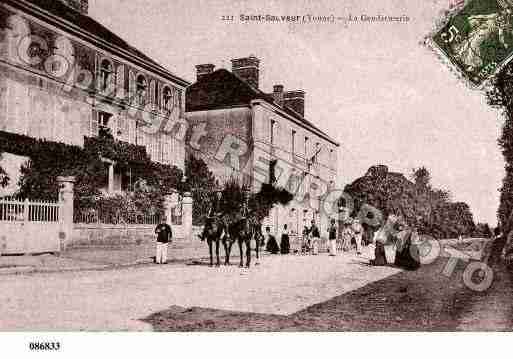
(212, 232)
(243, 231)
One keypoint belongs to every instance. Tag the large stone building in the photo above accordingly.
(243, 132)
(64, 77)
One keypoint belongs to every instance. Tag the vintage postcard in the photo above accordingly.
(255, 166)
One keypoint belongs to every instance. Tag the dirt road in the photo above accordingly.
(118, 299)
(284, 293)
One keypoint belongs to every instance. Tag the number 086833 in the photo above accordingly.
(44, 346)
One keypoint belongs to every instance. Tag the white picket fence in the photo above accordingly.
(16, 210)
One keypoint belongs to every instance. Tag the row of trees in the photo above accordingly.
(420, 204)
(501, 96)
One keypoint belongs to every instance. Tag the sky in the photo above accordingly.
(374, 87)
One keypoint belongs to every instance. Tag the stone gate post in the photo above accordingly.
(187, 216)
(66, 198)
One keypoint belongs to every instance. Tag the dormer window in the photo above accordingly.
(106, 70)
(167, 99)
(141, 86)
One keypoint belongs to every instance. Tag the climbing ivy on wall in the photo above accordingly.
(48, 160)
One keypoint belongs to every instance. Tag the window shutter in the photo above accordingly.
(111, 89)
(94, 124)
(131, 87)
(157, 97)
(120, 81)
(97, 73)
(152, 92)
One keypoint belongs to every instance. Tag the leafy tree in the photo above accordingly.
(501, 96)
(259, 204)
(202, 184)
(421, 177)
(416, 201)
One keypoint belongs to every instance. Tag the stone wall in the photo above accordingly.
(106, 235)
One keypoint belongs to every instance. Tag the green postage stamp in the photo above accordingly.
(478, 38)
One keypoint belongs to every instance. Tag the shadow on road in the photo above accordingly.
(421, 300)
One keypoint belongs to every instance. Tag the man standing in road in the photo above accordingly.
(357, 229)
(316, 237)
(164, 235)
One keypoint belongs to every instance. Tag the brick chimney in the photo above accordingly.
(247, 69)
(278, 94)
(295, 100)
(79, 5)
(203, 69)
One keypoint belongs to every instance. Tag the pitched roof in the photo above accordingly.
(94, 28)
(224, 89)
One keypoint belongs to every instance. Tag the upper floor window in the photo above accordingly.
(141, 86)
(106, 71)
(167, 98)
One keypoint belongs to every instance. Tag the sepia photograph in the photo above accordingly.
(245, 166)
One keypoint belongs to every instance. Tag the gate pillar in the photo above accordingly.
(187, 216)
(66, 198)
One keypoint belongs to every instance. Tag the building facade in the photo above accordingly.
(64, 77)
(245, 133)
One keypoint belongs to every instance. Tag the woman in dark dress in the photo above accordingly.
(407, 255)
(285, 242)
(272, 245)
(381, 237)
(380, 258)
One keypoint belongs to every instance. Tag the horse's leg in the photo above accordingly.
(241, 261)
(248, 251)
(227, 250)
(230, 248)
(217, 252)
(257, 250)
(210, 250)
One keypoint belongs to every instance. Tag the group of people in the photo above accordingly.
(344, 238)
(393, 243)
(271, 244)
(396, 243)
(310, 240)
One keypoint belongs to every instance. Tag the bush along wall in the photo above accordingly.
(48, 160)
(4, 177)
